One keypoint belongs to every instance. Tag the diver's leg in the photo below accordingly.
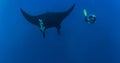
(58, 29)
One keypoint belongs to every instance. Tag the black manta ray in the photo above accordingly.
(48, 19)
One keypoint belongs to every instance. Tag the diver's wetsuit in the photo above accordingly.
(90, 19)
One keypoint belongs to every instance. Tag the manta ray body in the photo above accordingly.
(48, 19)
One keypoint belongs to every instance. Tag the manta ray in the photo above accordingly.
(48, 19)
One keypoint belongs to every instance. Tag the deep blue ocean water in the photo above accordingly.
(79, 42)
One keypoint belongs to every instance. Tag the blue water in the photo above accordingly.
(79, 42)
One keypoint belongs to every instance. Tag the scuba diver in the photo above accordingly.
(90, 19)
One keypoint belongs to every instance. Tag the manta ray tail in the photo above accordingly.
(64, 15)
